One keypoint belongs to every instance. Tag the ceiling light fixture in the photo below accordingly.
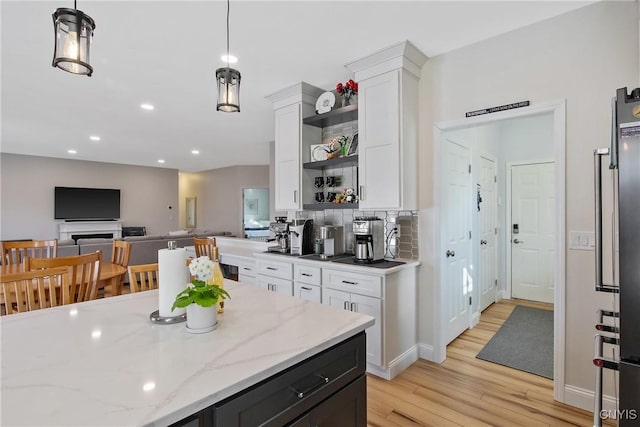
(228, 83)
(147, 107)
(73, 34)
(229, 59)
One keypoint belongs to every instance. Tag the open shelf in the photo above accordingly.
(332, 163)
(323, 206)
(333, 117)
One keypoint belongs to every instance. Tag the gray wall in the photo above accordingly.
(583, 57)
(219, 195)
(27, 193)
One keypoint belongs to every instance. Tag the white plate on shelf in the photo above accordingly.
(325, 102)
(318, 152)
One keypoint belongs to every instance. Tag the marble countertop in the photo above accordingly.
(104, 363)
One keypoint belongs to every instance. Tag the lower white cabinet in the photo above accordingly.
(307, 282)
(307, 292)
(361, 304)
(275, 284)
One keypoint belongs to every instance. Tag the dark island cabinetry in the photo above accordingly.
(328, 390)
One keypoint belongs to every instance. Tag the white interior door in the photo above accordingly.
(533, 231)
(487, 216)
(456, 237)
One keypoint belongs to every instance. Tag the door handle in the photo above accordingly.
(345, 305)
(483, 242)
(450, 253)
(354, 307)
(517, 242)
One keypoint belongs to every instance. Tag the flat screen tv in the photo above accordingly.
(72, 203)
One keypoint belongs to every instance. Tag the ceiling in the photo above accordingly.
(165, 53)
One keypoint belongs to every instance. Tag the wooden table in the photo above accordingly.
(109, 275)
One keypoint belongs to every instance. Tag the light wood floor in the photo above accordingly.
(465, 391)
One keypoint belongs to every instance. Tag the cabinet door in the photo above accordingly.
(249, 280)
(372, 307)
(347, 408)
(276, 285)
(379, 142)
(287, 157)
(307, 292)
(335, 298)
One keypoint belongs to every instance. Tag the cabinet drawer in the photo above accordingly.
(246, 268)
(275, 284)
(283, 270)
(249, 280)
(307, 274)
(283, 398)
(353, 282)
(307, 292)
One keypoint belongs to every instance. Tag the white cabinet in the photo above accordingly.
(275, 276)
(388, 127)
(307, 282)
(290, 105)
(246, 267)
(343, 290)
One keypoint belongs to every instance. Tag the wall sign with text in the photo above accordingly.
(496, 109)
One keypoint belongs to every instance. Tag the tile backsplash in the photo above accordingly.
(405, 246)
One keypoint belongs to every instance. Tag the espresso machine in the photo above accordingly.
(369, 235)
(280, 229)
(301, 236)
(331, 238)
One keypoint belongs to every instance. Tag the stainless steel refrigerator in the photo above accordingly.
(625, 156)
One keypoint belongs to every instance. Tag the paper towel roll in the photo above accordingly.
(172, 278)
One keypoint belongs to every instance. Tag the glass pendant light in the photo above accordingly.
(73, 33)
(228, 83)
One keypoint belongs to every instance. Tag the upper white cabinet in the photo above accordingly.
(291, 105)
(388, 85)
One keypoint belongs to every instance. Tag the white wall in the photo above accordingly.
(27, 193)
(583, 57)
(219, 195)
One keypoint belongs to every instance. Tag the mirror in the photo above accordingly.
(190, 210)
(255, 213)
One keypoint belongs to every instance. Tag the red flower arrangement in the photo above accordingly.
(348, 89)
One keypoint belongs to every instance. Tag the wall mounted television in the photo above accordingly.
(78, 204)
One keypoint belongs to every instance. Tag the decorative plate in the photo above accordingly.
(325, 102)
(318, 152)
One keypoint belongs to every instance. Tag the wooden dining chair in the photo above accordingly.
(84, 273)
(14, 252)
(34, 290)
(120, 255)
(143, 277)
(204, 246)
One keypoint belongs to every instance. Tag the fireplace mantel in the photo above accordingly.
(68, 229)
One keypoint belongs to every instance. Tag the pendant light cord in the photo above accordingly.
(75, 4)
(227, 33)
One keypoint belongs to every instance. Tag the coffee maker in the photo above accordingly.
(369, 235)
(280, 229)
(301, 236)
(332, 239)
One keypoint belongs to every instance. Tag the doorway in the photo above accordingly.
(255, 213)
(556, 113)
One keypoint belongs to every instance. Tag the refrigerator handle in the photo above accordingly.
(613, 160)
(597, 165)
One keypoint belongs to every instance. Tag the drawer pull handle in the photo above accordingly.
(349, 283)
(306, 274)
(303, 393)
(272, 268)
(246, 268)
(346, 305)
(305, 288)
(354, 307)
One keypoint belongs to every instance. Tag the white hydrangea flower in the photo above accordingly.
(201, 268)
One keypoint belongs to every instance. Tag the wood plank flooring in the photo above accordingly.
(465, 391)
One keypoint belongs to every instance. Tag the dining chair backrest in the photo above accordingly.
(143, 277)
(204, 246)
(84, 273)
(33, 290)
(120, 255)
(14, 252)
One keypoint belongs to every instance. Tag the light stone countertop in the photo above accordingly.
(104, 363)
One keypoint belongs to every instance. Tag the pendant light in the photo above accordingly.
(73, 34)
(228, 83)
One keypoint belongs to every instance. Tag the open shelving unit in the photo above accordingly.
(332, 163)
(329, 205)
(333, 117)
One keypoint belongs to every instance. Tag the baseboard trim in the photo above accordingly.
(396, 366)
(475, 319)
(425, 351)
(583, 399)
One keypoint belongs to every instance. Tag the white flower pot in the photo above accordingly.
(201, 319)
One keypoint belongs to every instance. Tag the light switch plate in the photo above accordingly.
(582, 240)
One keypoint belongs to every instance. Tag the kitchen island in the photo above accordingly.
(104, 363)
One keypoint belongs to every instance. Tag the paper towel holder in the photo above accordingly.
(162, 320)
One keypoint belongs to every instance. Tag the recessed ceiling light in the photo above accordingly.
(72, 151)
(94, 138)
(147, 107)
(160, 160)
(232, 59)
(195, 151)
